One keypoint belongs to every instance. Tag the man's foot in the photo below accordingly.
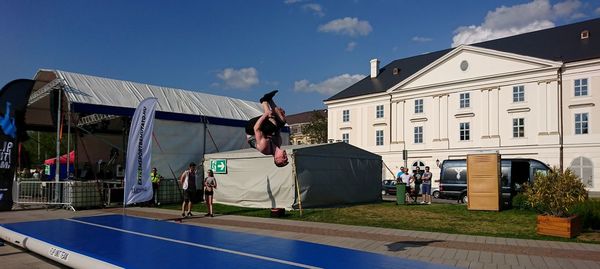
(267, 97)
(190, 214)
(212, 216)
(183, 215)
(207, 214)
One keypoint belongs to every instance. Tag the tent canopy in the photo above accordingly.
(63, 159)
(91, 94)
(323, 175)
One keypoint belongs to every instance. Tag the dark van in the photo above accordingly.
(515, 172)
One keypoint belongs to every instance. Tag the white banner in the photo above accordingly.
(138, 187)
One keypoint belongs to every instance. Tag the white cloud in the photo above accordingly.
(506, 21)
(351, 46)
(289, 2)
(421, 39)
(329, 86)
(315, 9)
(597, 11)
(239, 79)
(347, 26)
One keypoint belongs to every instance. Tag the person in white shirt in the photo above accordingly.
(407, 179)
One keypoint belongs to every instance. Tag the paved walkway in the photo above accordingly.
(450, 249)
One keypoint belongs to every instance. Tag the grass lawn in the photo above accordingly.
(447, 218)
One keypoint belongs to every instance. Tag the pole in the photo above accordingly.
(68, 138)
(57, 170)
(297, 184)
(38, 148)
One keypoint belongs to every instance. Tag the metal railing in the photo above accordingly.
(42, 193)
(82, 194)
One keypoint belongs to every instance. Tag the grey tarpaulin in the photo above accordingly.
(328, 175)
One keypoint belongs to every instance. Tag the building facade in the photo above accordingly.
(297, 123)
(502, 95)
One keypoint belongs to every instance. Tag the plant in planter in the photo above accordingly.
(552, 195)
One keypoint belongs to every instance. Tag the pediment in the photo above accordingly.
(468, 63)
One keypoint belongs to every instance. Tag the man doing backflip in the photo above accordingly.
(263, 132)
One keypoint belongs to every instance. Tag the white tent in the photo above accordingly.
(322, 175)
(189, 123)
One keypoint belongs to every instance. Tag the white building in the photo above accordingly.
(534, 95)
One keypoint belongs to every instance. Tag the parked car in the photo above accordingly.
(435, 192)
(388, 187)
(515, 172)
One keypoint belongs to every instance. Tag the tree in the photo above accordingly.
(316, 129)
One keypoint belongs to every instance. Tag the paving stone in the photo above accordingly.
(462, 264)
(476, 265)
(438, 252)
(511, 259)
(498, 258)
(538, 261)
(473, 256)
(485, 257)
(449, 253)
(551, 262)
(461, 254)
(524, 260)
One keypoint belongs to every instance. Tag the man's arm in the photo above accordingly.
(258, 134)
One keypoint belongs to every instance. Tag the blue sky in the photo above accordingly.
(309, 50)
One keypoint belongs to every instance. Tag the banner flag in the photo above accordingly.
(138, 187)
(13, 102)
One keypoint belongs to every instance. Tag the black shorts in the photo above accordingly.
(208, 192)
(267, 127)
(189, 195)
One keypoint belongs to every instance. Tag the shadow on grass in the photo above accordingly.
(403, 245)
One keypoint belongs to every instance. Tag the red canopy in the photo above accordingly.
(63, 159)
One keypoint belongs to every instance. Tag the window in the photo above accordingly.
(418, 134)
(584, 168)
(581, 123)
(465, 131)
(418, 106)
(346, 115)
(379, 137)
(581, 87)
(346, 137)
(379, 111)
(519, 127)
(465, 100)
(518, 94)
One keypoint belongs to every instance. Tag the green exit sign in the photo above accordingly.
(219, 166)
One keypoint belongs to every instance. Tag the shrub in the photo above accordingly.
(589, 212)
(556, 192)
(519, 201)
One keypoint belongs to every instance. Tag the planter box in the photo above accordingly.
(561, 227)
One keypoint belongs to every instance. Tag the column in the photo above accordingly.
(552, 108)
(400, 120)
(484, 117)
(542, 99)
(444, 117)
(494, 116)
(436, 125)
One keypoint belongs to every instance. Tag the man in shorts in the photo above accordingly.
(263, 132)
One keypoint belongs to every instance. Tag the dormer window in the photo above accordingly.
(585, 34)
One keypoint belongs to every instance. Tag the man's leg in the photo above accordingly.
(277, 111)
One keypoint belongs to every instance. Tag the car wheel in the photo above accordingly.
(464, 198)
(436, 194)
(382, 192)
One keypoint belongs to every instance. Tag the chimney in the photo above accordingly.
(374, 68)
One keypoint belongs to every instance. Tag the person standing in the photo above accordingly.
(407, 179)
(155, 178)
(210, 184)
(426, 193)
(417, 179)
(188, 183)
(399, 174)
